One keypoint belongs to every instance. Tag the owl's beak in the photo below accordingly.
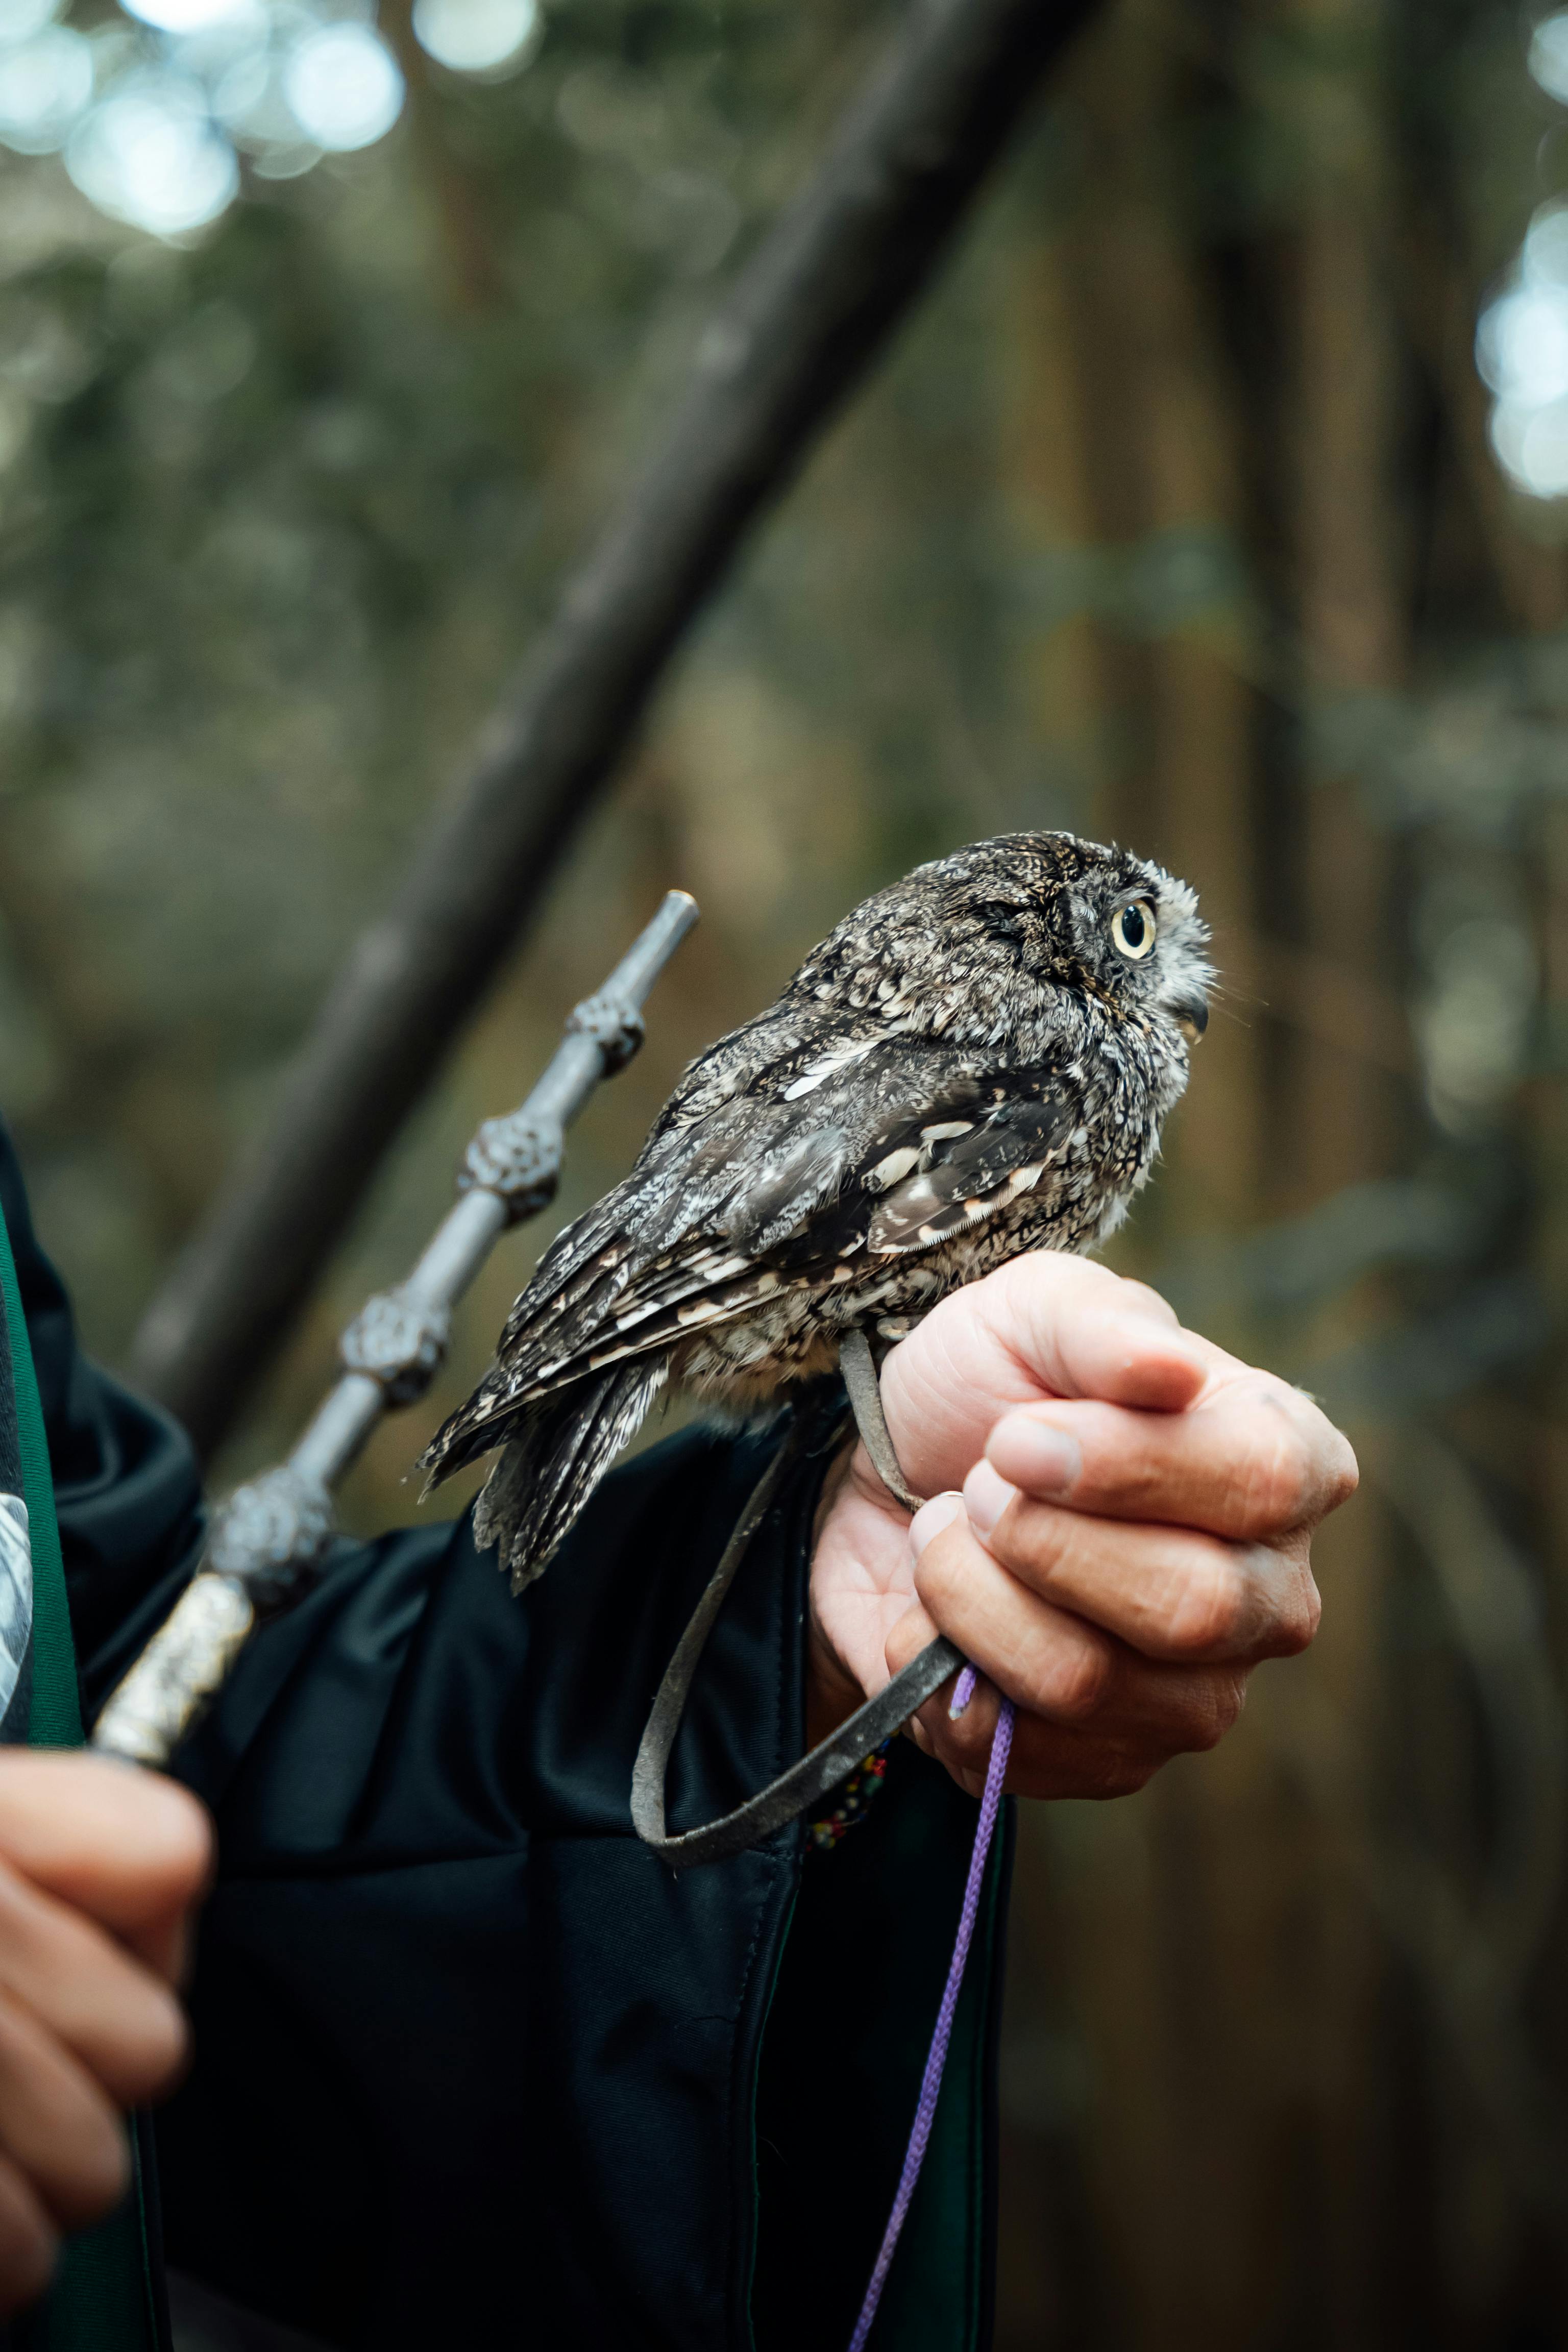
(1191, 1015)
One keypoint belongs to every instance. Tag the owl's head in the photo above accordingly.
(1077, 915)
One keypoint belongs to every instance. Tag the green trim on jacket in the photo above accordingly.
(103, 2298)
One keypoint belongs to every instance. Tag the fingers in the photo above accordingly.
(56, 2125)
(92, 1858)
(1045, 1325)
(113, 2014)
(1167, 1425)
(1157, 1595)
(28, 2242)
(130, 1848)
(1139, 1509)
(1045, 1658)
(1252, 1460)
(1171, 1593)
(1082, 1331)
(1107, 1740)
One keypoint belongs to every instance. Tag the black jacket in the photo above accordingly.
(472, 2066)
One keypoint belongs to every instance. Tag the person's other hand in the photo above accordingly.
(99, 1867)
(1131, 1540)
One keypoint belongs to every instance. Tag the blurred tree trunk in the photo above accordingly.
(1350, 614)
(1351, 609)
(1129, 434)
(1167, 1949)
(1227, 1972)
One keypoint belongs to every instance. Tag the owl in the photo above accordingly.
(977, 1062)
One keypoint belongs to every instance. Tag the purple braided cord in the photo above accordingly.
(925, 2113)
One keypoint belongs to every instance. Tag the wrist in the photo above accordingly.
(832, 1692)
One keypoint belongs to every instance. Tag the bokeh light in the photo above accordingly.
(475, 35)
(20, 19)
(154, 106)
(180, 15)
(1521, 352)
(343, 87)
(1522, 339)
(1549, 53)
(151, 154)
(45, 81)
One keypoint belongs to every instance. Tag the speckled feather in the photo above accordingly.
(969, 1066)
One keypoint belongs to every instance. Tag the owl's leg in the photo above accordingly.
(859, 1367)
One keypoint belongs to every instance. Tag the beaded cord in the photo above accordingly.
(853, 1800)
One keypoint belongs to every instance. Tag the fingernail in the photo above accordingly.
(962, 1692)
(1039, 1457)
(985, 1498)
(932, 1516)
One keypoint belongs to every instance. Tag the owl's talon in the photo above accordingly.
(859, 1367)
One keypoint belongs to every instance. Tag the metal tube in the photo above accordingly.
(337, 1431)
(461, 1243)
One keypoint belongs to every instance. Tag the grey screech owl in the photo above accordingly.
(975, 1063)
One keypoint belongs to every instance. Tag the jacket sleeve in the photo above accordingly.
(127, 1487)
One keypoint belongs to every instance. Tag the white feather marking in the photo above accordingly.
(946, 1130)
(893, 1169)
(701, 1310)
(701, 1271)
(844, 1058)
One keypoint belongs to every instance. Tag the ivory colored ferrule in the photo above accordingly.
(189, 1657)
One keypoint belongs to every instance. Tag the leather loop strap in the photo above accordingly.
(862, 1380)
(815, 1773)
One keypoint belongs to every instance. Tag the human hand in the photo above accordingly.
(99, 1866)
(1131, 1540)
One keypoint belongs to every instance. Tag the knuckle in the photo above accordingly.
(1298, 1614)
(1311, 1608)
(966, 1747)
(1281, 1484)
(1119, 1773)
(938, 1577)
(1074, 1679)
(1309, 1466)
(1212, 1604)
(1343, 1475)
(1038, 1540)
(1217, 1712)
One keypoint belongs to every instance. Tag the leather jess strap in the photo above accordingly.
(815, 1774)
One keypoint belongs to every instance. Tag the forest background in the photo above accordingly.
(1173, 517)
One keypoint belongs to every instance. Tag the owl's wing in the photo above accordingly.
(876, 1162)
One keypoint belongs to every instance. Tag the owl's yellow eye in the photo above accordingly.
(1132, 931)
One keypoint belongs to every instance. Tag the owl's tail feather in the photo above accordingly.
(556, 1458)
